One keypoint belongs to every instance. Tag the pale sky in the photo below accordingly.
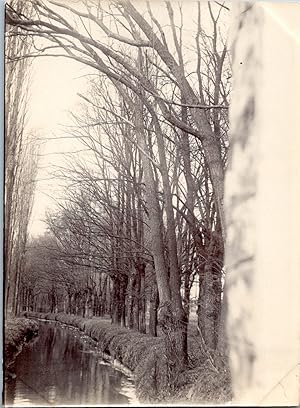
(55, 83)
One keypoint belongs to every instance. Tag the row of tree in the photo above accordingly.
(143, 209)
(20, 161)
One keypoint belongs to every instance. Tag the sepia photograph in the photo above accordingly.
(151, 250)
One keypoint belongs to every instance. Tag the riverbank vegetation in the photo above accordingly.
(144, 356)
(18, 331)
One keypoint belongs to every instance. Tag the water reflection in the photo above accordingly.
(62, 367)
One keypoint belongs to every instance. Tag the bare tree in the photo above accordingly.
(20, 161)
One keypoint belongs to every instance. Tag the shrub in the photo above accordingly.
(17, 331)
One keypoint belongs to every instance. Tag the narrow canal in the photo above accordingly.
(63, 367)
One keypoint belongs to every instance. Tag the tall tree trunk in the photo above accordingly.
(171, 318)
(136, 300)
(210, 292)
(115, 311)
(130, 300)
(142, 300)
(154, 302)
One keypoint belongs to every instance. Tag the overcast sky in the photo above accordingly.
(53, 93)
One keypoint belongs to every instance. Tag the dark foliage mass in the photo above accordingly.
(17, 332)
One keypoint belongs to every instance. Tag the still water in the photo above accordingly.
(63, 367)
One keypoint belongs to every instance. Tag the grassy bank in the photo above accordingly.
(18, 330)
(144, 355)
